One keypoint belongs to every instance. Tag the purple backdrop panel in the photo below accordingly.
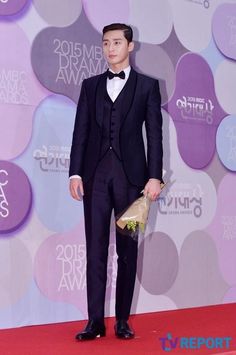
(63, 57)
(152, 264)
(15, 197)
(226, 142)
(11, 7)
(20, 92)
(223, 228)
(199, 281)
(58, 13)
(224, 29)
(103, 12)
(195, 110)
(65, 254)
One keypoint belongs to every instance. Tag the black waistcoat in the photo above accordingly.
(111, 124)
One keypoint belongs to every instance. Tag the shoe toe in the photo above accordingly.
(123, 331)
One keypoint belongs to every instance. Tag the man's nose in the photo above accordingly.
(111, 47)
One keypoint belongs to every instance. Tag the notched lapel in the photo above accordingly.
(100, 93)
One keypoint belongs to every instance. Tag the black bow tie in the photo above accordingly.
(120, 75)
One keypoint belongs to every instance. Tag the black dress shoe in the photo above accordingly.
(92, 330)
(122, 330)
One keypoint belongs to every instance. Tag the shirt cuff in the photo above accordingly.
(75, 177)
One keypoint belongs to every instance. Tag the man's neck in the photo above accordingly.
(118, 68)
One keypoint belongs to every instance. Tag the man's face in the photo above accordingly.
(116, 48)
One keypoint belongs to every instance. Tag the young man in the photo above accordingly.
(109, 169)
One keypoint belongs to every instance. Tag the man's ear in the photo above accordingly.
(131, 46)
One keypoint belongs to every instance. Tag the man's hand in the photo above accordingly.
(152, 189)
(76, 188)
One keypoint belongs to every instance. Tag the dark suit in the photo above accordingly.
(108, 153)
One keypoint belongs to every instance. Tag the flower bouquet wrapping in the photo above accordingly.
(133, 220)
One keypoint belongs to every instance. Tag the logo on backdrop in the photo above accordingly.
(229, 227)
(4, 210)
(15, 197)
(12, 87)
(72, 260)
(196, 109)
(169, 343)
(73, 53)
(232, 27)
(205, 3)
(231, 135)
(53, 158)
(77, 61)
(185, 199)
(65, 254)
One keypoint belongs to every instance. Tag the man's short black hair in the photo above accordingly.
(128, 32)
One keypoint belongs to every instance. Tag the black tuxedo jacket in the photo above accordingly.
(142, 104)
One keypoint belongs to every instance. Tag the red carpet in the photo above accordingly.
(58, 339)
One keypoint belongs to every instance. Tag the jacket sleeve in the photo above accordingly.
(80, 134)
(153, 124)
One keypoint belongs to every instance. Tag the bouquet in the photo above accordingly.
(133, 220)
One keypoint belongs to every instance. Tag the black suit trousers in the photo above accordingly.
(108, 189)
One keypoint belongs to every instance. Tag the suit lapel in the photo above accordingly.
(129, 88)
(127, 100)
(100, 93)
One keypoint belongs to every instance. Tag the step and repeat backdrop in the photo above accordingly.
(187, 257)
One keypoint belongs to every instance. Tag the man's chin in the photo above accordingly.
(113, 61)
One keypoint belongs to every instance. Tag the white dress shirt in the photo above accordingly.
(114, 87)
